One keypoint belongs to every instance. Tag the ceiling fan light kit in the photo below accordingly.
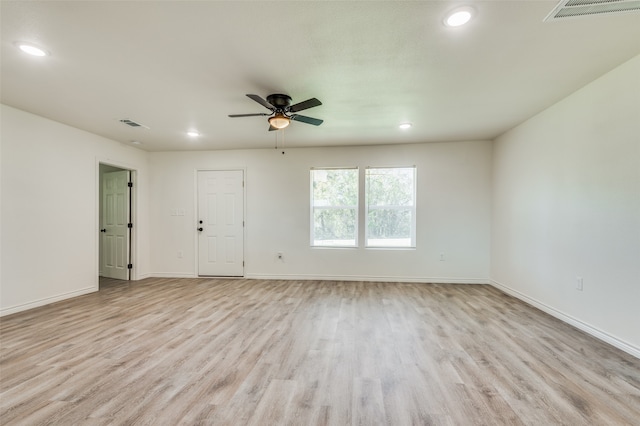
(282, 112)
(279, 121)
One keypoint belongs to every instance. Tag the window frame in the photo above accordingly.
(313, 208)
(412, 209)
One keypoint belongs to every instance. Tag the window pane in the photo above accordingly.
(334, 227)
(390, 187)
(334, 205)
(390, 201)
(389, 228)
(335, 187)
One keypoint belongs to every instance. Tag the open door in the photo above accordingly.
(116, 224)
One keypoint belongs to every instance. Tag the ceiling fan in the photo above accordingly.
(282, 112)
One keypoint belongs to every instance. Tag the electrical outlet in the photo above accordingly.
(579, 283)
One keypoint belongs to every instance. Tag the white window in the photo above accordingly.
(334, 207)
(390, 201)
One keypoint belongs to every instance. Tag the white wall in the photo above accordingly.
(49, 209)
(453, 212)
(566, 204)
(49, 222)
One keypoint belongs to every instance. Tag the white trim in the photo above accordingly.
(587, 328)
(47, 300)
(426, 280)
(303, 277)
(171, 275)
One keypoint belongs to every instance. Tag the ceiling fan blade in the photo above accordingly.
(305, 119)
(249, 115)
(309, 103)
(271, 128)
(262, 102)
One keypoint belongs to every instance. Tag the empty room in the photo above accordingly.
(320, 212)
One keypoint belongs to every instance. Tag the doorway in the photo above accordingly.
(115, 221)
(220, 224)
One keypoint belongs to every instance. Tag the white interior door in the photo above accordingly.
(221, 223)
(115, 220)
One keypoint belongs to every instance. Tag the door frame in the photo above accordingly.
(135, 219)
(196, 246)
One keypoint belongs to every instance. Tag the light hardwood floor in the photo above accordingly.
(236, 352)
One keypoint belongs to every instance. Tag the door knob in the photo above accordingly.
(200, 229)
(103, 230)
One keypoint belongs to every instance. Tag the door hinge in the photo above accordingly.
(130, 184)
(130, 266)
(129, 225)
(243, 263)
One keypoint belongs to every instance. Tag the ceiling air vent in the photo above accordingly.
(133, 123)
(578, 8)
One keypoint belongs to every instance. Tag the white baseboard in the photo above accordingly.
(142, 276)
(589, 329)
(304, 277)
(169, 275)
(46, 301)
(433, 280)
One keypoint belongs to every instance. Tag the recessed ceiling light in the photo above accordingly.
(459, 17)
(31, 49)
(405, 126)
(193, 133)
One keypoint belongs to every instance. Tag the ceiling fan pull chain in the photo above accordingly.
(282, 141)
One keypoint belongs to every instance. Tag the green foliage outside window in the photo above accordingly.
(335, 204)
(390, 203)
(335, 225)
(390, 207)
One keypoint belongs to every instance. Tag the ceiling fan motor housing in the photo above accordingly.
(279, 100)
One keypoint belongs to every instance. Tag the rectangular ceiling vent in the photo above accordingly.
(579, 8)
(133, 123)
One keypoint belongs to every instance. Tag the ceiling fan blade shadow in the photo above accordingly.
(262, 102)
(309, 103)
(249, 115)
(305, 119)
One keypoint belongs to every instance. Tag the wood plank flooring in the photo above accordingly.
(252, 352)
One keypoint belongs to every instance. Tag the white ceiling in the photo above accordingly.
(178, 65)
